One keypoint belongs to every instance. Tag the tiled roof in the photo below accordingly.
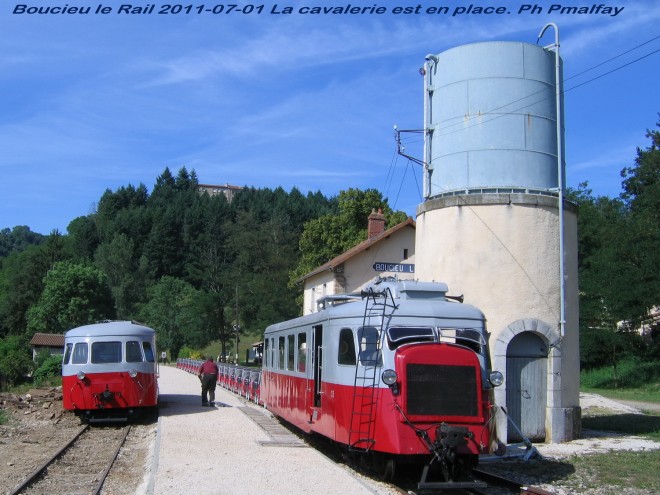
(363, 246)
(47, 340)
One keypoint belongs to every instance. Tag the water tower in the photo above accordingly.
(494, 224)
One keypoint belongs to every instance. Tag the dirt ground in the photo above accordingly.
(38, 426)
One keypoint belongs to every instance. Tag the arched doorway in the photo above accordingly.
(526, 375)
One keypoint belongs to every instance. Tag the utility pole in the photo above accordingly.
(237, 328)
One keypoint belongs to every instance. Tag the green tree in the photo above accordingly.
(126, 275)
(330, 235)
(22, 281)
(73, 295)
(639, 250)
(83, 238)
(15, 359)
(168, 310)
(18, 239)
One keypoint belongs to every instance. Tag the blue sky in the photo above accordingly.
(91, 102)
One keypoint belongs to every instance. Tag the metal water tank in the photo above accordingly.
(492, 115)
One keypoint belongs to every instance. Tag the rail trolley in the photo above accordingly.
(109, 371)
(399, 373)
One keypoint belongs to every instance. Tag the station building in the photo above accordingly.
(385, 253)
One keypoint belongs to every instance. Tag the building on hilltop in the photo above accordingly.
(214, 190)
(384, 253)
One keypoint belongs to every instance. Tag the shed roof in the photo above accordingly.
(47, 340)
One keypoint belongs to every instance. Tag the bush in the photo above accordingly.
(15, 359)
(187, 352)
(50, 369)
(631, 372)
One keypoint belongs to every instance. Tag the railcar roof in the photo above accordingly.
(110, 328)
(422, 299)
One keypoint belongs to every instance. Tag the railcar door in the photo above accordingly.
(318, 364)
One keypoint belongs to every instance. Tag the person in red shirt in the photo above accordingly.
(208, 374)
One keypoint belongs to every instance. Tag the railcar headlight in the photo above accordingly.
(389, 377)
(496, 378)
(81, 375)
(132, 373)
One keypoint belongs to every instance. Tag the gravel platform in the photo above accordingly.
(222, 450)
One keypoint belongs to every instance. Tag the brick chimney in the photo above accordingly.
(376, 223)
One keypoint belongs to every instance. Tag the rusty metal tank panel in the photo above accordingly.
(490, 109)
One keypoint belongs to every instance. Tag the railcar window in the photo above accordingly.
(266, 353)
(291, 352)
(346, 352)
(80, 352)
(133, 353)
(106, 352)
(302, 351)
(148, 352)
(67, 353)
(397, 336)
(369, 342)
(272, 352)
(281, 353)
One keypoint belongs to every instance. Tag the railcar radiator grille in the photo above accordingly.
(441, 390)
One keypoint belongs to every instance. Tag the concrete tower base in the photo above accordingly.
(501, 251)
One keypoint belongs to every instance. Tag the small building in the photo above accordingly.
(214, 190)
(53, 342)
(384, 253)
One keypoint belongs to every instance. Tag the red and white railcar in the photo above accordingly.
(109, 371)
(400, 372)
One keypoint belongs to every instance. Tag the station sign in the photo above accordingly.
(394, 267)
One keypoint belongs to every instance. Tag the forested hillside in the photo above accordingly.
(188, 264)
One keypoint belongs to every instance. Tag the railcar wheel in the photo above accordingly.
(389, 471)
(382, 466)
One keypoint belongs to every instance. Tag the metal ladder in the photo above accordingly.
(363, 417)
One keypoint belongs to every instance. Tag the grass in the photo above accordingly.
(637, 470)
(632, 378)
(4, 417)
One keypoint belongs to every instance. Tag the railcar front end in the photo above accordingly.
(109, 371)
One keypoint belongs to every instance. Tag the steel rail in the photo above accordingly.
(31, 477)
(104, 475)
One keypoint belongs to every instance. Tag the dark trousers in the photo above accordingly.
(208, 387)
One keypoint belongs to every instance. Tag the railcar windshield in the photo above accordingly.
(133, 353)
(472, 338)
(397, 336)
(106, 352)
(80, 353)
(468, 337)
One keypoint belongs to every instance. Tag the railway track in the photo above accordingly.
(80, 466)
